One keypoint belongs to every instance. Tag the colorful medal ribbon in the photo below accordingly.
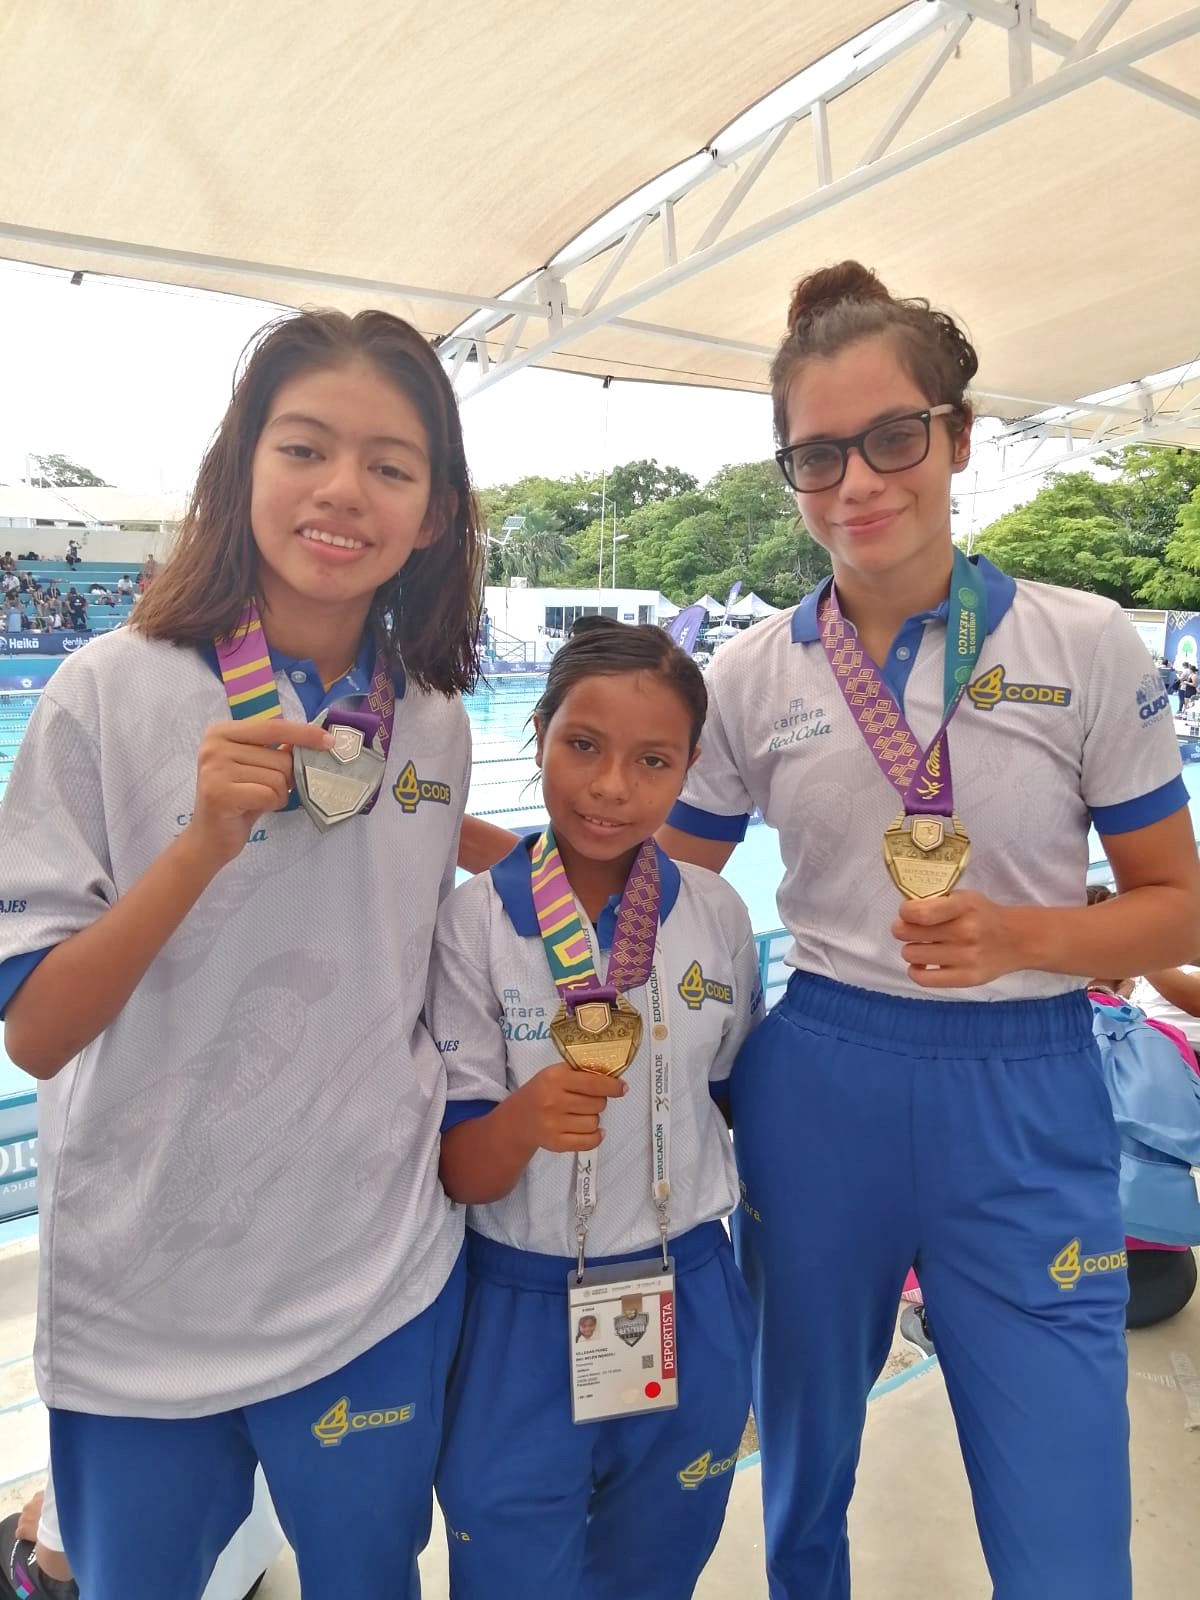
(250, 689)
(596, 1029)
(925, 848)
(568, 949)
(922, 777)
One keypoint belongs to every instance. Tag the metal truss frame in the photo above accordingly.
(939, 27)
(1065, 436)
(559, 317)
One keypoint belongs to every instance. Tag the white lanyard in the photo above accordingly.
(660, 1133)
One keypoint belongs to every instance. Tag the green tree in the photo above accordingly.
(639, 553)
(695, 554)
(753, 496)
(60, 472)
(1156, 484)
(1178, 581)
(571, 502)
(1153, 482)
(784, 565)
(538, 551)
(641, 483)
(1071, 533)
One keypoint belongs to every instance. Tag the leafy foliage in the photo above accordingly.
(1133, 534)
(60, 472)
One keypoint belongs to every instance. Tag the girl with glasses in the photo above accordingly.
(932, 739)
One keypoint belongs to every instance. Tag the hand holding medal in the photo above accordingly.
(559, 1108)
(338, 772)
(960, 941)
(244, 769)
(596, 1029)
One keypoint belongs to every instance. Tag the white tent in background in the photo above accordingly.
(666, 608)
(710, 605)
(754, 607)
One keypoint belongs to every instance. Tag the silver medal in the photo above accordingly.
(334, 785)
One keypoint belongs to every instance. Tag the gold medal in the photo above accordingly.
(597, 1036)
(925, 855)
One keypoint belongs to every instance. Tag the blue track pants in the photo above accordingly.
(147, 1506)
(976, 1142)
(627, 1509)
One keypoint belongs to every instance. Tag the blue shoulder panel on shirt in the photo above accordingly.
(13, 973)
(708, 824)
(1130, 815)
(465, 1111)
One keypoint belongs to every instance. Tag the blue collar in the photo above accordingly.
(511, 878)
(307, 680)
(998, 586)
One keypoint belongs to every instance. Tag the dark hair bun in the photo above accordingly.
(957, 342)
(849, 280)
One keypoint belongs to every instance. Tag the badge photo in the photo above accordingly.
(622, 1342)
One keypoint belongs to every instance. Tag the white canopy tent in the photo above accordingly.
(86, 507)
(1029, 164)
(710, 605)
(754, 607)
(666, 608)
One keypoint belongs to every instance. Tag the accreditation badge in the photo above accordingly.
(622, 1342)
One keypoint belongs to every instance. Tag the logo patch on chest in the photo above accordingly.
(992, 688)
(410, 790)
(801, 722)
(695, 988)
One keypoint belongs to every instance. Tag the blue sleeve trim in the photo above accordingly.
(465, 1111)
(719, 1091)
(707, 825)
(13, 973)
(1140, 813)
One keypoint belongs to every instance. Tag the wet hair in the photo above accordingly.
(839, 306)
(603, 647)
(427, 615)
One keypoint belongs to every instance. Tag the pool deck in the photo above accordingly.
(912, 1532)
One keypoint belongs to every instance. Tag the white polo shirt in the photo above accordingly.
(491, 1001)
(239, 1186)
(1065, 722)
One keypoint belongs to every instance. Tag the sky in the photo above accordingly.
(131, 380)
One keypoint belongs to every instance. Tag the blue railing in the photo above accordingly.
(773, 971)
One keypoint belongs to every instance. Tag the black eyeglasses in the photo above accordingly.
(887, 447)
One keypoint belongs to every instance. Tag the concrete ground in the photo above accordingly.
(912, 1531)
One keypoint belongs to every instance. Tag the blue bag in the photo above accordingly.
(1155, 1098)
